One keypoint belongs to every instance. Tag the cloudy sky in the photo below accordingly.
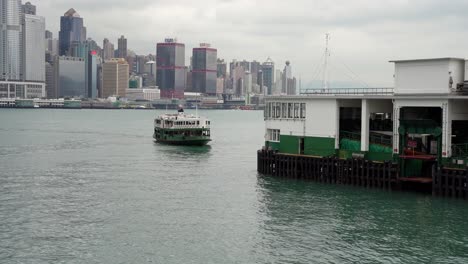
(365, 34)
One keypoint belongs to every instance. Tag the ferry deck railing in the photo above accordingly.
(349, 91)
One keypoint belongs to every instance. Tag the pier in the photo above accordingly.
(444, 182)
(411, 137)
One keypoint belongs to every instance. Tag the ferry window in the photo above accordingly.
(290, 110)
(303, 110)
(296, 110)
(198, 122)
(284, 110)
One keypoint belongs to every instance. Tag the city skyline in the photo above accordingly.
(365, 34)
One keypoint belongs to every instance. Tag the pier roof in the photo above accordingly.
(429, 59)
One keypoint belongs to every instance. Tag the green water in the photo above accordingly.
(91, 186)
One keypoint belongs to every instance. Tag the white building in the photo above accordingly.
(10, 40)
(28, 90)
(34, 48)
(148, 94)
(22, 51)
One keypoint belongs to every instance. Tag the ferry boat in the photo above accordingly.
(182, 129)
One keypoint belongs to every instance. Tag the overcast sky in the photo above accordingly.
(365, 34)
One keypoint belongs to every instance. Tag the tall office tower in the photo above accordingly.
(221, 68)
(278, 88)
(29, 8)
(170, 68)
(204, 69)
(237, 76)
(71, 77)
(140, 61)
(48, 34)
(114, 78)
(255, 66)
(287, 80)
(92, 74)
(10, 40)
(34, 48)
(268, 70)
(108, 50)
(247, 83)
(51, 45)
(245, 64)
(71, 30)
(22, 49)
(260, 82)
(51, 86)
(122, 47)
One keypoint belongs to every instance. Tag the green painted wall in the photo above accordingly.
(289, 144)
(272, 145)
(314, 146)
(319, 146)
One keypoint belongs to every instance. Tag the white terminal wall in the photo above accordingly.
(322, 118)
(428, 76)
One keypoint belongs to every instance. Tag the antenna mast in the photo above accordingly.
(325, 81)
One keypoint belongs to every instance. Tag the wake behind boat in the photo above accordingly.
(182, 129)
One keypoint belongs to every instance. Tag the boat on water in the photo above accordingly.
(182, 129)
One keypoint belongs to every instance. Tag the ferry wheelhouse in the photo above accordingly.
(182, 129)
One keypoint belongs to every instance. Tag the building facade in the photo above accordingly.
(92, 74)
(10, 40)
(71, 30)
(71, 77)
(34, 48)
(204, 71)
(29, 9)
(107, 50)
(268, 73)
(122, 47)
(170, 69)
(115, 78)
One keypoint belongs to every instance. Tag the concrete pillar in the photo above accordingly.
(446, 131)
(337, 120)
(396, 126)
(365, 115)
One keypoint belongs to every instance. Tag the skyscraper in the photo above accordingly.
(29, 9)
(10, 40)
(92, 74)
(122, 47)
(48, 34)
(114, 78)
(108, 50)
(204, 69)
(221, 68)
(171, 70)
(268, 70)
(34, 48)
(22, 42)
(71, 77)
(71, 30)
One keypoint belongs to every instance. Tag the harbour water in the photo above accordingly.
(91, 186)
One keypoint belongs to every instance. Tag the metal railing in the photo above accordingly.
(374, 138)
(349, 91)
